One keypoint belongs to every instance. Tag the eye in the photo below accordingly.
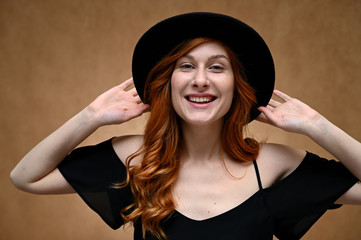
(186, 66)
(216, 68)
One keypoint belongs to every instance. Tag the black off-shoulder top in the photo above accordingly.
(287, 209)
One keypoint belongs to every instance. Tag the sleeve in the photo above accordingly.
(92, 171)
(301, 198)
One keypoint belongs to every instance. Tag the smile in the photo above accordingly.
(200, 99)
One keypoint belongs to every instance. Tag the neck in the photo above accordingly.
(202, 142)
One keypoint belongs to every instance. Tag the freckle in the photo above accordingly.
(214, 203)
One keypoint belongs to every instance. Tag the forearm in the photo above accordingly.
(45, 156)
(112, 107)
(338, 143)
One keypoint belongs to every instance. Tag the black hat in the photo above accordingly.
(245, 42)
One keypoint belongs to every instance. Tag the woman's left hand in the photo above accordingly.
(295, 116)
(290, 115)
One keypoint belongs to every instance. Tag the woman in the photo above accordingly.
(203, 76)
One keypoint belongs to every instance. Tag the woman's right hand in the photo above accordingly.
(117, 105)
(37, 172)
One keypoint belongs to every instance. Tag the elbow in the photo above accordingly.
(14, 179)
(17, 181)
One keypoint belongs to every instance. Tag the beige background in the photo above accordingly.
(56, 56)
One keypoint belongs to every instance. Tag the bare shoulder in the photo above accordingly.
(277, 161)
(124, 146)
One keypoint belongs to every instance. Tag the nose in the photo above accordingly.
(200, 79)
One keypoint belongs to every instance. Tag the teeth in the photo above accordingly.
(200, 99)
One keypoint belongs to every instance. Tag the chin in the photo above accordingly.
(199, 121)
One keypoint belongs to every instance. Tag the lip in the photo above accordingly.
(200, 105)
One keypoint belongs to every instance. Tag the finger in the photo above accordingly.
(268, 115)
(282, 95)
(126, 83)
(134, 92)
(274, 103)
(137, 99)
(262, 118)
(138, 111)
(271, 108)
(147, 108)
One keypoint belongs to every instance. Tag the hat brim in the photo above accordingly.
(245, 42)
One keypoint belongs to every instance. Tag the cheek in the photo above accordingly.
(228, 92)
(229, 87)
(173, 81)
(173, 87)
(178, 84)
(175, 90)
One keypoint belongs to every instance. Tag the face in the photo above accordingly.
(202, 84)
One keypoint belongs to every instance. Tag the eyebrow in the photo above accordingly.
(210, 58)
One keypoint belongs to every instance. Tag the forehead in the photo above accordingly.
(208, 49)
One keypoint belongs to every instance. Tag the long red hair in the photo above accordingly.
(152, 180)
